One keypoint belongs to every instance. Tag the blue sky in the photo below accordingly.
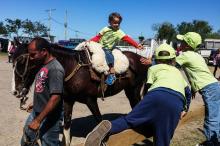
(89, 16)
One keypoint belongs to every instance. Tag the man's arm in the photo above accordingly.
(52, 103)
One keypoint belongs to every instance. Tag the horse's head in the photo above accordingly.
(23, 71)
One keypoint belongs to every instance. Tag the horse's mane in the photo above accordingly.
(65, 55)
(58, 50)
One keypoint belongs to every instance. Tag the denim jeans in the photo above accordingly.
(211, 98)
(109, 57)
(48, 133)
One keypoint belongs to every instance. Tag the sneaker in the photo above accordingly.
(207, 143)
(110, 79)
(95, 138)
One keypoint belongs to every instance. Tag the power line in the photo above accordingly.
(74, 30)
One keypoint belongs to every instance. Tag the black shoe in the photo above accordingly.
(98, 134)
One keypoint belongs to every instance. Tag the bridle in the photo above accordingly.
(26, 56)
(22, 75)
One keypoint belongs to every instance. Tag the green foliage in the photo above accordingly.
(34, 29)
(3, 29)
(168, 31)
(165, 30)
(199, 26)
(19, 27)
(214, 35)
(13, 26)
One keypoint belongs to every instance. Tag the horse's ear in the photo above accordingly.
(16, 41)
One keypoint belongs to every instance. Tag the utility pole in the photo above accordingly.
(65, 26)
(49, 19)
(76, 33)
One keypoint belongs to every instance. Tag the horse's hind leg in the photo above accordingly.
(133, 94)
(68, 107)
(94, 108)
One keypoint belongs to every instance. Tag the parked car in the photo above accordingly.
(70, 44)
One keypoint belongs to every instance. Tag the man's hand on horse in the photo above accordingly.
(34, 125)
(146, 61)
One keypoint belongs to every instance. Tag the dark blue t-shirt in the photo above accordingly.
(48, 81)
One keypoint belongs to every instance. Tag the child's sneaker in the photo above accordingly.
(98, 134)
(110, 79)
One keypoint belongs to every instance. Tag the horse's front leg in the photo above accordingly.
(94, 108)
(68, 107)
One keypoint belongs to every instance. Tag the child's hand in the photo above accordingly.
(140, 47)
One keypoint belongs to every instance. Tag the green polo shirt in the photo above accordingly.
(163, 75)
(196, 69)
(110, 37)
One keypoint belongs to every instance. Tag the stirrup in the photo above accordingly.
(110, 79)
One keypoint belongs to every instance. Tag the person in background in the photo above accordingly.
(216, 62)
(11, 50)
(202, 81)
(108, 37)
(168, 95)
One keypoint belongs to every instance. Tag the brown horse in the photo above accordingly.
(80, 86)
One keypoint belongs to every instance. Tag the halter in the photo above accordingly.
(22, 75)
(26, 56)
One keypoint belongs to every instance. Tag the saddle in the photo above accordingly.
(99, 69)
(96, 57)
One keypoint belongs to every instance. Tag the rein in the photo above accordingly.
(27, 138)
(79, 65)
(75, 71)
(22, 75)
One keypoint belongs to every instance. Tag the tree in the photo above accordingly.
(202, 27)
(215, 35)
(199, 26)
(33, 29)
(3, 29)
(40, 29)
(184, 27)
(165, 30)
(28, 27)
(13, 26)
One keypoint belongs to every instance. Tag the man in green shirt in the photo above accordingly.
(202, 81)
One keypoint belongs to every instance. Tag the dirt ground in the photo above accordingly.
(12, 118)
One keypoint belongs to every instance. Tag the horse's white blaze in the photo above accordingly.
(13, 81)
(66, 133)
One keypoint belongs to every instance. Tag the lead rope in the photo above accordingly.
(27, 138)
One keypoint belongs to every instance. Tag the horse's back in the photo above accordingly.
(135, 63)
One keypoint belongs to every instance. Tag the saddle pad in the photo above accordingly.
(121, 62)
